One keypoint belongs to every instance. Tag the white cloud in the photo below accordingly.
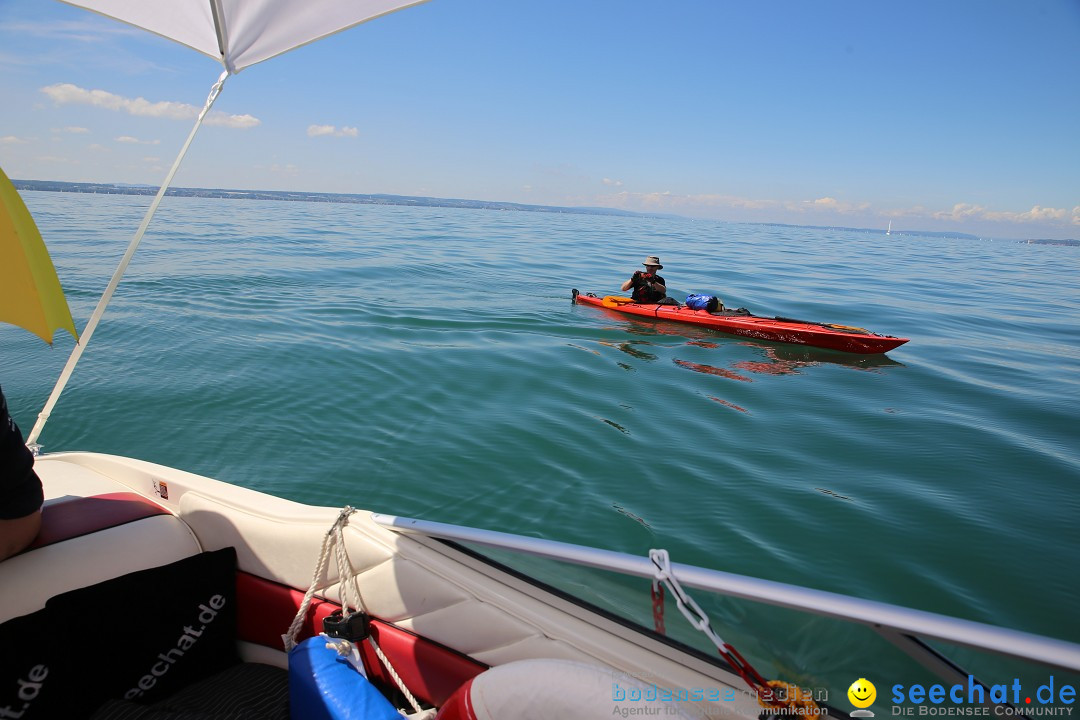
(1037, 214)
(331, 131)
(288, 170)
(976, 218)
(830, 204)
(961, 211)
(237, 122)
(614, 183)
(669, 201)
(56, 159)
(68, 94)
(69, 31)
(135, 141)
(12, 140)
(73, 130)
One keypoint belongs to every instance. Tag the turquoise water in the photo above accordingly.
(428, 362)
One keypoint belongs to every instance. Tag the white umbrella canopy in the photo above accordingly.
(240, 33)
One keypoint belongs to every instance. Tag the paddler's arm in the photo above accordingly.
(629, 283)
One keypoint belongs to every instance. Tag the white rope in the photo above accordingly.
(347, 650)
(350, 598)
(289, 638)
(95, 318)
(393, 673)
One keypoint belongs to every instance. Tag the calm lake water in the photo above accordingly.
(428, 362)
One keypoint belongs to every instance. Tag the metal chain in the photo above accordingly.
(686, 604)
(700, 621)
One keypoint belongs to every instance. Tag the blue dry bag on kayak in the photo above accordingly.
(702, 302)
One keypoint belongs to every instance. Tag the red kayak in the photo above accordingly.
(739, 322)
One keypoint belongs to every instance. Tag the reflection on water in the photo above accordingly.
(616, 425)
(785, 361)
(710, 370)
(728, 403)
(629, 349)
(594, 352)
(798, 355)
(773, 367)
(826, 491)
(632, 516)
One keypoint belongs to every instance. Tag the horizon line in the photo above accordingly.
(466, 203)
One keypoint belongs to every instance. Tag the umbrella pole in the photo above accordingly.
(77, 351)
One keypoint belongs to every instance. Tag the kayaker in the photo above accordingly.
(20, 488)
(648, 286)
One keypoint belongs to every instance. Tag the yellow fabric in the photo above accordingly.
(30, 292)
(614, 301)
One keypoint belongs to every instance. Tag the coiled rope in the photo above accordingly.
(351, 602)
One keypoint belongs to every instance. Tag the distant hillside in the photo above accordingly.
(355, 199)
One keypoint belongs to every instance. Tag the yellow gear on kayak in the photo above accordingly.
(612, 301)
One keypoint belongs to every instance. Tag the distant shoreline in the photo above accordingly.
(345, 198)
(411, 201)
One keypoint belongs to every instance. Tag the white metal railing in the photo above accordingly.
(901, 626)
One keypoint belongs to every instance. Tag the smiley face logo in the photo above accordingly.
(862, 693)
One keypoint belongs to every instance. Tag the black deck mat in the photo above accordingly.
(248, 691)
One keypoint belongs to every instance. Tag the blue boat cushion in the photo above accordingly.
(324, 686)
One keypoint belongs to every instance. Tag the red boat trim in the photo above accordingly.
(431, 671)
(69, 519)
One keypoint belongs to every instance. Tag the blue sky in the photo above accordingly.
(962, 115)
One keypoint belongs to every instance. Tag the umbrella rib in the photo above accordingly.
(218, 12)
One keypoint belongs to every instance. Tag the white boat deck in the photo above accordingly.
(414, 582)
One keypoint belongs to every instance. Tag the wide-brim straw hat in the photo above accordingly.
(653, 260)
